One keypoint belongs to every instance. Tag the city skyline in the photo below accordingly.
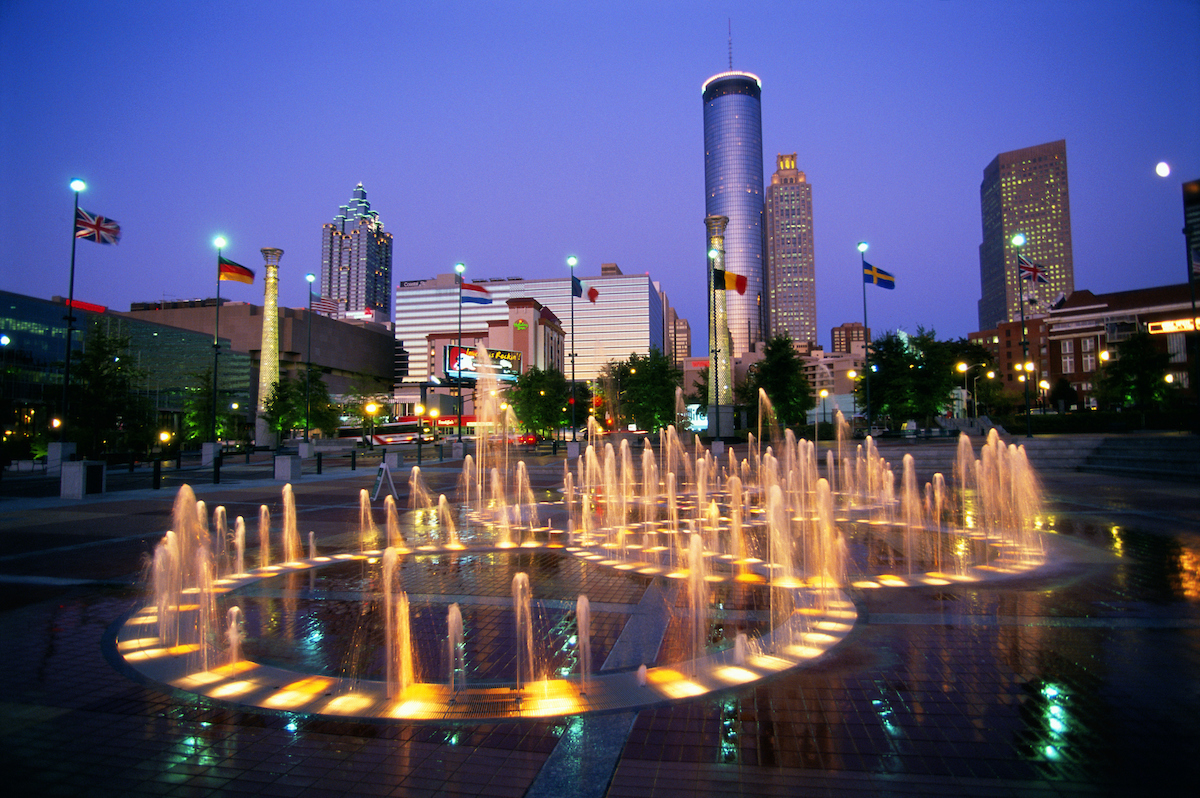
(528, 143)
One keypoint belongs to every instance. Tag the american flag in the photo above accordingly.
(1031, 271)
(96, 228)
(324, 305)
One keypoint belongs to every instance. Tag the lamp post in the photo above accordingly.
(571, 261)
(862, 252)
(371, 409)
(77, 185)
(975, 388)
(1045, 388)
(459, 268)
(853, 377)
(218, 242)
(1018, 241)
(964, 369)
(308, 362)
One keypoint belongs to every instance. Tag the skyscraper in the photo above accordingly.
(791, 274)
(733, 186)
(1024, 191)
(356, 260)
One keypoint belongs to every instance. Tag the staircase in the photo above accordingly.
(1168, 457)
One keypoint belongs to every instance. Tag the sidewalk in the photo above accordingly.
(1080, 680)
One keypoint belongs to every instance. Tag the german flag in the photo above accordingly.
(228, 270)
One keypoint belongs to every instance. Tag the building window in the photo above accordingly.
(1068, 347)
(1087, 345)
(1068, 364)
(1089, 361)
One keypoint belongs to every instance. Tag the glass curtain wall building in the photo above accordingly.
(733, 186)
(1024, 191)
(356, 259)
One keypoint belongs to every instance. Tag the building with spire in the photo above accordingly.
(733, 187)
(1024, 191)
(791, 272)
(356, 262)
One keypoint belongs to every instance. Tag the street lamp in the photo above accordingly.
(862, 252)
(571, 261)
(459, 268)
(975, 388)
(308, 364)
(371, 409)
(964, 369)
(852, 375)
(1018, 241)
(218, 242)
(77, 185)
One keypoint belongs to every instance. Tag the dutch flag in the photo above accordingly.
(475, 295)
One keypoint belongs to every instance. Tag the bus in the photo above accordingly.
(392, 433)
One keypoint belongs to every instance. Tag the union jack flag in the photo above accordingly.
(96, 228)
(1031, 271)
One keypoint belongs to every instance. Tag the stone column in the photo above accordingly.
(268, 362)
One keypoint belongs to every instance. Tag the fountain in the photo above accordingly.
(791, 540)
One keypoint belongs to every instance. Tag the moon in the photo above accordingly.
(1163, 169)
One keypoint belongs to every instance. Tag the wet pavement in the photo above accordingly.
(1082, 678)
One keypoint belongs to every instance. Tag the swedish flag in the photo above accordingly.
(877, 276)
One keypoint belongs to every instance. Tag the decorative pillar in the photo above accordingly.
(720, 345)
(268, 361)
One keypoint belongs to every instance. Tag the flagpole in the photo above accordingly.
(77, 185)
(1018, 241)
(459, 268)
(219, 241)
(862, 254)
(571, 261)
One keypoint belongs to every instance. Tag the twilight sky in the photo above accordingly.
(509, 135)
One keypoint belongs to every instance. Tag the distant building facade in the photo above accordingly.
(791, 271)
(1088, 327)
(169, 357)
(351, 355)
(733, 186)
(625, 318)
(356, 262)
(1024, 191)
(849, 337)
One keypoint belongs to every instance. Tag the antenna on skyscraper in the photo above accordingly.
(730, 21)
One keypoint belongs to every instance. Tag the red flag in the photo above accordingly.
(592, 294)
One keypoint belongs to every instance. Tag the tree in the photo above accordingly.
(699, 392)
(107, 411)
(780, 375)
(284, 406)
(642, 390)
(197, 411)
(1135, 378)
(911, 375)
(1063, 396)
(537, 399)
(322, 413)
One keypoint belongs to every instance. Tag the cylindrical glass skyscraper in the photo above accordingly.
(733, 186)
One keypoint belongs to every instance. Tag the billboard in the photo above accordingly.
(462, 363)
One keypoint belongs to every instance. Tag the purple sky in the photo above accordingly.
(509, 135)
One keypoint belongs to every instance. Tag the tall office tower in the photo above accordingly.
(733, 187)
(791, 274)
(1024, 191)
(356, 259)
